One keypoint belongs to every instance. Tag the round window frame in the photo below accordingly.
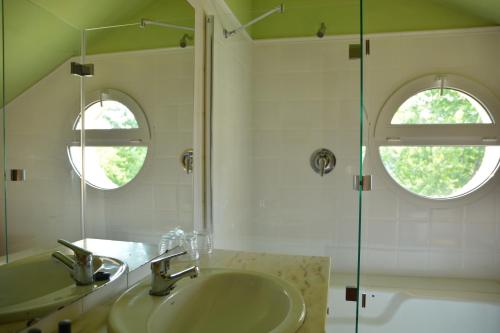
(386, 134)
(126, 137)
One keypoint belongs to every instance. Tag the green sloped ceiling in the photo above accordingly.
(303, 17)
(42, 34)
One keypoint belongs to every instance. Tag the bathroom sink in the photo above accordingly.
(35, 286)
(218, 301)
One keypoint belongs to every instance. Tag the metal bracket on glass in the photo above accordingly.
(18, 175)
(351, 295)
(362, 183)
(82, 69)
(355, 50)
(187, 161)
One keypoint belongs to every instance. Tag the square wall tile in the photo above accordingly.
(480, 235)
(446, 235)
(416, 262)
(479, 263)
(413, 234)
(378, 261)
(483, 210)
(380, 233)
(445, 262)
(413, 212)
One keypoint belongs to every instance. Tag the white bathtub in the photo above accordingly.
(418, 310)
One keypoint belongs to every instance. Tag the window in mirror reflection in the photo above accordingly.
(115, 148)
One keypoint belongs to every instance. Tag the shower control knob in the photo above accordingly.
(323, 161)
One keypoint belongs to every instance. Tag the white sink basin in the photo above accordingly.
(35, 286)
(218, 301)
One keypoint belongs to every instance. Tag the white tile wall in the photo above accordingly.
(305, 95)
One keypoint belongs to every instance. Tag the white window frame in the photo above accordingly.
(129, 137)
(140, 136)
(387, 134)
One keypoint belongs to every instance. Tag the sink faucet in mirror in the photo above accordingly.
(81, 268)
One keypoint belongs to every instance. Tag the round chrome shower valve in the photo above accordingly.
(323, 161)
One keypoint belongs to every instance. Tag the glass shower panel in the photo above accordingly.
(138, 124)
(430, 250)
(41, 98)
(3, 231)
(286, 138)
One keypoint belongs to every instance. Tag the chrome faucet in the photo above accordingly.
(162, 283)
(81, 268)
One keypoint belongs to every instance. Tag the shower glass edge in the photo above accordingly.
(361, 153)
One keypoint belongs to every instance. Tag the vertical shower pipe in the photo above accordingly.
(360, 188)
(209, 72)
(83, 189)
(4, 137)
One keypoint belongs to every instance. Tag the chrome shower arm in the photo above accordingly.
(145, 22)
(280, 9)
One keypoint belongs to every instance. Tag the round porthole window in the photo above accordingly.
(440, 142)
(116, 140)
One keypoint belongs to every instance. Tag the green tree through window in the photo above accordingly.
(436, 172)
(122, 164)
(434, 106)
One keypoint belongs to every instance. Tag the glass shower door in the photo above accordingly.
(42, 202)
(430, 253)
(3, 225)
(286, 96)
(138, 125)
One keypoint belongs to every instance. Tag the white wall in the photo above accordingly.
(306, 96)
(38, 127)
(47, 206)
(232, 103)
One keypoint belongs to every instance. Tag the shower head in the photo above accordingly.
(184, 40)
(322, 30)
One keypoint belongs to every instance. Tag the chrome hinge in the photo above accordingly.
(82, 69)
(355, 50)
(362, 183)
(351, 295)
(18, 175)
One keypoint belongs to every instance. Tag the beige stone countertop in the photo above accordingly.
(310, 275)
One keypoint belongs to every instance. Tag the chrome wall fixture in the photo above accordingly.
(322, 30)
(184, 40)
(280, 9)
(187, 160)
(323, 161)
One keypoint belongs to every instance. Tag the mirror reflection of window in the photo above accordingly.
(111, 166)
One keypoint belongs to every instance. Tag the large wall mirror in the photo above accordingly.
(97, 112)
